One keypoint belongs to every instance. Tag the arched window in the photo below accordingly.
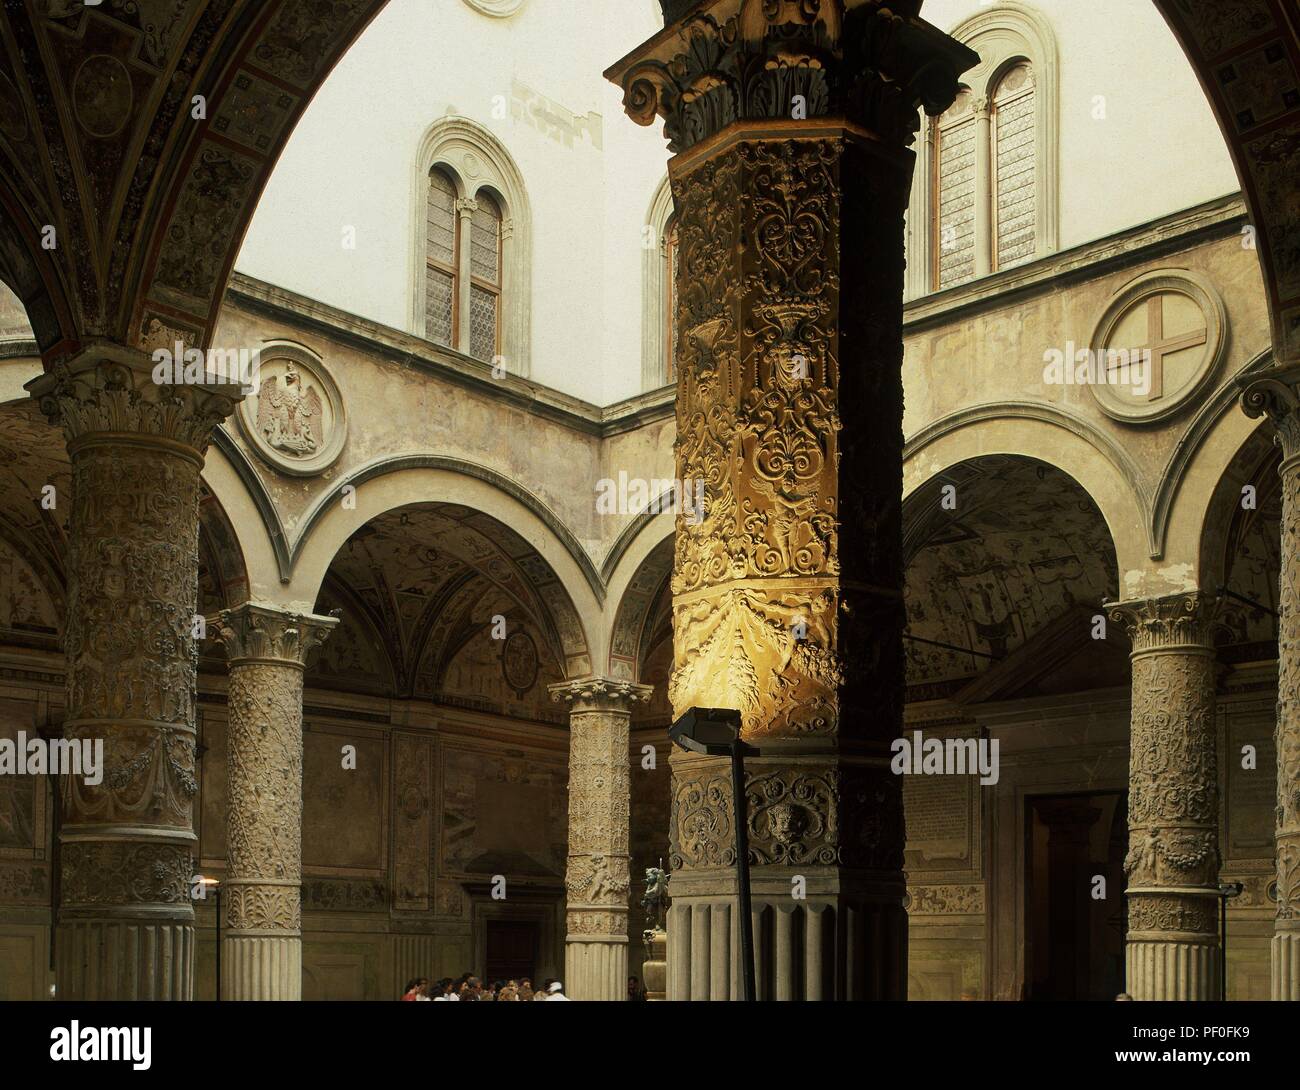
(442, 261)
(954, 193)
(473, 247)
(485, 278)
(670, 301)
(1014, 168)
(986, 199)
(659, 242)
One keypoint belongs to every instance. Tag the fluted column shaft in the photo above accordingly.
(1278, 395)
(597, 877)
(125, 919)
(1173, 808)
(261, 944)
(792, 125)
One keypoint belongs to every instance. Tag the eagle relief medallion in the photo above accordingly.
(295, 420)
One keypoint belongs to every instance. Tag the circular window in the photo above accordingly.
(1158, 346)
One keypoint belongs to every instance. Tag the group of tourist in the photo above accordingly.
(467, 988)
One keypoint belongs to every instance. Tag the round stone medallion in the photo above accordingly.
(519, 662)
(102, 95)
(1158, 346)
(295, 420)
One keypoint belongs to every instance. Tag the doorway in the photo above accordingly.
(1074, 893)
(511, 949)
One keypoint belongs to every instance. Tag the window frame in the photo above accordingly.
(454, 269)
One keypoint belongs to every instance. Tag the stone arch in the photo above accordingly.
(1003, 585)
(1186, 504)
(569, 583)
(150, 267)
(642, 585)
(477, 161)
(1265, 143)
(1046, 434)
(223, 575)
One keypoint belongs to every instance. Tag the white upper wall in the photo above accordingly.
(350, 163)
(1155, 148)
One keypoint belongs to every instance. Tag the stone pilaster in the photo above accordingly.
(597, 878)
(261, 944)
(792, 124)
(1173, 806)
(125, 921)
(1278, 396)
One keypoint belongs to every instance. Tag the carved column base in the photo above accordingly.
(846, 946)
(124, 959)
(261, 967)
(1173, 947)
(595, 967)
(1286, 966)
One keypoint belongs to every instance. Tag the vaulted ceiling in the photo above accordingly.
(135, 138)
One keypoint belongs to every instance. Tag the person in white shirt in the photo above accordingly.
(556, 991)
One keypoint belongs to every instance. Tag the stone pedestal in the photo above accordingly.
(654, 970)
(1278, 395)
(597, 878)
(261, 942)
(1173, 807)
(791, 125)
(126, 922)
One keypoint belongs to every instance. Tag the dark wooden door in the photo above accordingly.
(511, 949)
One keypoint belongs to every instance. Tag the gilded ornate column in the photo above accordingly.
(1278, 396)
(261, 943)
(1173, 805)
(597, 878)
(126, 922)
(791, 124)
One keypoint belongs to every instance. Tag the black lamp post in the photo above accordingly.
(716, 732)
(1226, 891)
(214, 884)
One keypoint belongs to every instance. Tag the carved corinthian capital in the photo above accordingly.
(1178, 621)
(252, 633)
(1276, 394)
(600, 694)
(110, 389)
(779, 60)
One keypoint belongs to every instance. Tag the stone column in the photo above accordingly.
(126, 922)
(465, 209)
(261, 942)
(1173, 805)
(792, 125)
(1278, 396)
(597, 879)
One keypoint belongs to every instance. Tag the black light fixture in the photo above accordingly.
(716, 732)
